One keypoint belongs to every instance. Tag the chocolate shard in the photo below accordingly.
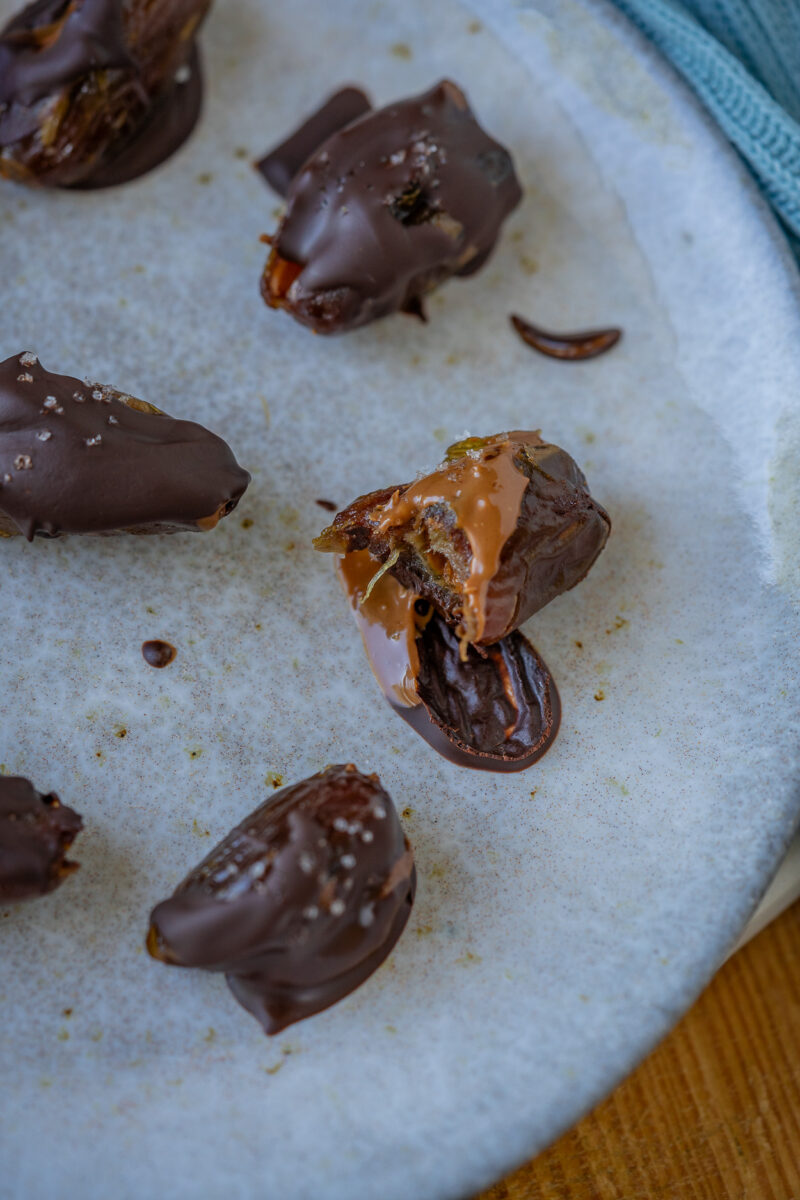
(493, 708)
(86, 458)
(569, 347)
(280, 165)
(300, 903)
(495, 533)
(36, 833)
(96, 92)
(386, 209)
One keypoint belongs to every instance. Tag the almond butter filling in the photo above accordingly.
(482, 486)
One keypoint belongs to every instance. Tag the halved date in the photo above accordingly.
(494, 708)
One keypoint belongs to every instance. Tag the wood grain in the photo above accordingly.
(712, 1114)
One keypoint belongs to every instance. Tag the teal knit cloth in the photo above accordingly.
(742, 57)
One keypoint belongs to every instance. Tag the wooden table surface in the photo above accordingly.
(712, 1114)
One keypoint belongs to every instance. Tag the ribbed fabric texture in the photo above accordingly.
(742, 57)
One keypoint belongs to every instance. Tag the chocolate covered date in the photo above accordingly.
(493, 708)
(500, 529)
(96, 92)
(386, 209)
(300, 903)
(86, 458)
(36, 833)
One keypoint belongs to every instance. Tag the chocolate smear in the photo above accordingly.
(569, 347)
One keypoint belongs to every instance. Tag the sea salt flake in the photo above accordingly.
(306, 862)
(183, 74)
(94, 441)
(311, 913)
(25, 377)
(379, 812)
(44, 436)
(367, 836)
(23, 462)
(348, 861)
(79, 397)
(112, 420)
(366, 915)
(28, 359)
(337, 908)
(340, 824)
(50, 403)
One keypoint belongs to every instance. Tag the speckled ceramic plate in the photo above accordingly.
(565, 916)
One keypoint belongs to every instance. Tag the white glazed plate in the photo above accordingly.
(566, 916)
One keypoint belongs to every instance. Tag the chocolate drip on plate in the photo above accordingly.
(158, 654)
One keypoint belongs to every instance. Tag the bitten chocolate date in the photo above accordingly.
(36, 833)
(280, 166)
(388, 208)
(493, 708)
(96, 92)
(300, 903)
(78, 457)
(495, 533)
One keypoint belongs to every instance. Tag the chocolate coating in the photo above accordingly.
(94, 92)
(280, 165)
(300, 903)
(386, 209)
(85, 458)
(569, 347)
(36, 833)
(495, 533)
(168, 124)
